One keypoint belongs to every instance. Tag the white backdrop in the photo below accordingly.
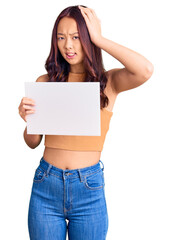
(137, 151)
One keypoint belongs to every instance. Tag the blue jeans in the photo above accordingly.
(68, 201)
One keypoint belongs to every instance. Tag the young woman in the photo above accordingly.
(69, 181)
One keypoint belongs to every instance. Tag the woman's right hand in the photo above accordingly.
(26, 107)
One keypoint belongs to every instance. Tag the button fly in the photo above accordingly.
(67, 173)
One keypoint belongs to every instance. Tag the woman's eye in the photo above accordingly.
(76, 37)
(60, 38)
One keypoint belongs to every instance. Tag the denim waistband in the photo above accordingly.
(80, 172)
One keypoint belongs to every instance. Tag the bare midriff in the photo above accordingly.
(69, 159)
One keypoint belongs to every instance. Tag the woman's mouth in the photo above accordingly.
(71, 55)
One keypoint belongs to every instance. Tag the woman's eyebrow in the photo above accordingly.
(69, 34)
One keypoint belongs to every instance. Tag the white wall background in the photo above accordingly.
(137, 152)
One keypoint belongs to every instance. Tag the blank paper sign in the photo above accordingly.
(64, 108)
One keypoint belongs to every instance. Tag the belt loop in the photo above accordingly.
(80, 175)
(102, 165)
(47, 172)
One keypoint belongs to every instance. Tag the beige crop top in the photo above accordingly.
(81, 143)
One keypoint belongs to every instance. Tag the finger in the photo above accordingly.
(27, 98)
(86, 9)
(30, 112)
(28, 107)
(86, 13)
(28, 101)
(24, 113)
(91, 10)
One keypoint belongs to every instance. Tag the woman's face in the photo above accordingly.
(68, 42)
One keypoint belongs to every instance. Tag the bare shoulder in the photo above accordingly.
(43, 78)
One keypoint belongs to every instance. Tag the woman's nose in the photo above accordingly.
(68, 43)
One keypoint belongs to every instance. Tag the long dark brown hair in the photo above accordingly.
(58, 68)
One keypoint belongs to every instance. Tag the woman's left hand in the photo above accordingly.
(92, 22)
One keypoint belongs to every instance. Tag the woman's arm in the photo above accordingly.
(137, 68)
(27, 107)
(32, 140)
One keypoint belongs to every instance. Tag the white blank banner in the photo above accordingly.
(64, 108)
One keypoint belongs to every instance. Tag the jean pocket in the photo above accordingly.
(39, 175)
(95, 181)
